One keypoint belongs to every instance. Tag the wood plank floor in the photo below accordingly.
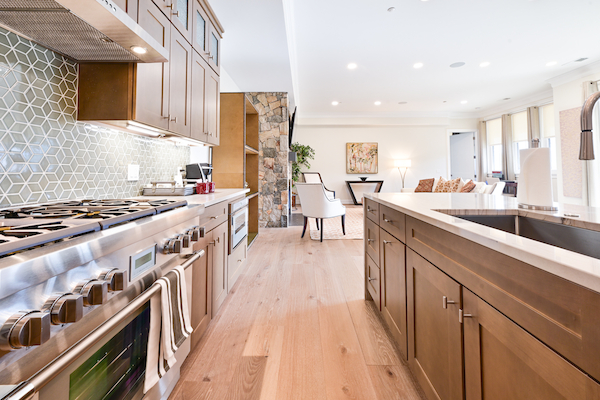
(296, 326)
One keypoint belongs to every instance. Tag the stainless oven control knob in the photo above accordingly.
(64, 308)
(24, 329)
(117, 279)
(196, 233)
(172, 246)
(185, 240)
(94, 292)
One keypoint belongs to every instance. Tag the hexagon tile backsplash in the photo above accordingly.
(45, 154)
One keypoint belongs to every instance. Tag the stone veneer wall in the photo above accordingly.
(274, 172)
(45, 154)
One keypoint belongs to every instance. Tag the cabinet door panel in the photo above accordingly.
(201, 290)
(181, 17)
(129, 6)
(200, 30)
(503, 361)
(434, 333)
(219, 267)
(372, 240)
(180, 82)
(393, 287)
(198, 117)
(213, 107)
(373, 275)
(236, 263)
(152, 79)
(214, 49)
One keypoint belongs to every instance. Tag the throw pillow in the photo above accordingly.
(441, 186)
(425, 185)
(468, 187)
(445, 186)
(454, 184)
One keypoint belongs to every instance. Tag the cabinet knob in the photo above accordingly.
(371, 279)
(370, 240)
(175, 13)
(387, 241)
(462, 315)
(173, 119)
(389, 221)
(445, 302)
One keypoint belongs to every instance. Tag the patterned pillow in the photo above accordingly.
(425, 185)
(445, 186)
(468, 187)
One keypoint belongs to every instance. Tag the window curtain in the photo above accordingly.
(482, 150)
(593, 166)
(507, 148)
(533, 124)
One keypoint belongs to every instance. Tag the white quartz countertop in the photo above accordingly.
(437, 209)
(205, 200)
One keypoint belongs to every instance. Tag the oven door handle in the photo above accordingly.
(27, 389)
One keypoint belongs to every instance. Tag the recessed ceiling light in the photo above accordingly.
(418, 65)
(403, 102)
(580, 59)
(551, 63)
(377, 103)
(352, 66)
(139, 49)
(335, 103)
(391, 9)
(484, 64)
(464, 102)
(457, 64)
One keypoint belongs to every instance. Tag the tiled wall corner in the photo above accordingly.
(45, 154)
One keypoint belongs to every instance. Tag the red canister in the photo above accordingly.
(212, 187)
(203, 187)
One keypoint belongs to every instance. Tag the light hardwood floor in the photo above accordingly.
(296, 326)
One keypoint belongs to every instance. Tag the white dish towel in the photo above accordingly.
(169, 325)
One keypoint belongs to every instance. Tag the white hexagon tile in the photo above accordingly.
(45, 154)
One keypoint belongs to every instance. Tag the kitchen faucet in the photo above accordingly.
(586, 150)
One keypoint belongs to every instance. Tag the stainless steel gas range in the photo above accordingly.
(67, 271)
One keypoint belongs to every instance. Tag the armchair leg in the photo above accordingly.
(322, 229)
(305, 223)
(317, 219)
(344, 224)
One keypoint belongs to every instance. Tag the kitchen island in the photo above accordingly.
(479, 310)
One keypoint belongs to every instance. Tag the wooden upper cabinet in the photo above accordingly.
(129, 6)
(182, 17)
(214, 49)
(152, 88)
(200, 30)
(180, 79)
(504, 361)
(199, 76)
(213, 107)
(434, 332)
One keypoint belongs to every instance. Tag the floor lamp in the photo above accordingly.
(402, 164)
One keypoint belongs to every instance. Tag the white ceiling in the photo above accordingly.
(518, 38)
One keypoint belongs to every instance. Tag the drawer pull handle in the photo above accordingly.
(389, 221)
(370, 240)
(445, 302)
(173, 119)
(462, 315)
(387, 241)
(214, 217)
(371, 279)
(239, 260)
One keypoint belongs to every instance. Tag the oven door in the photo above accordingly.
(238, 227)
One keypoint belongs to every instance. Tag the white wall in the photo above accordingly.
(228, 85)
(423, 141)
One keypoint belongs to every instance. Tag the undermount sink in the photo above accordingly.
(578, 240)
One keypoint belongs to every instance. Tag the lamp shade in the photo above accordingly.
(402, 163)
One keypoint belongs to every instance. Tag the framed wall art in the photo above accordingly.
(361, 158)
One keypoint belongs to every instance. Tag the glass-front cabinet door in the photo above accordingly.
(200, 30)
(214, 49)
(181, 17)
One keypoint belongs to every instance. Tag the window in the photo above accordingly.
(548, 138)
(494, 143)
(519, 138)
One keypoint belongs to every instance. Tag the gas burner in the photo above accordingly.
(111, 203)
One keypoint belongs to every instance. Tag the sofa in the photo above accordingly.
(493, 186)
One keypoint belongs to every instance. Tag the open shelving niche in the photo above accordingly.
(235, 161)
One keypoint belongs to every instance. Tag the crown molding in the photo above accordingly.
(518, 105)
(575, 74)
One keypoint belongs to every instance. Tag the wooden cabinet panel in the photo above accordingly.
(201, 289)
(434, 333)
(214, 216)
(393, 221)
(372, 240)
(373, 277)
(213, 100)
(219, 254)
(182, 17)
(236, 262)
(392, 254)
(503, 361)
(129, 6)
(152, 79)
(164, 6)
(200, 30)
(372, 210)
(214, 49)
(198, 114)
(180, 82)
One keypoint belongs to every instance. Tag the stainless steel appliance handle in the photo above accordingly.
(27, 389)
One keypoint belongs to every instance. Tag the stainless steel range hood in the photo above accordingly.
(83, 30)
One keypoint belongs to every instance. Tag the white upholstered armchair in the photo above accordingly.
(315, 177)
(316, 204)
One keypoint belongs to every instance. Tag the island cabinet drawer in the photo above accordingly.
(213, 216)
(372, 210)
(559, 313)
(372, 240)
(373, 275)
(393, 221)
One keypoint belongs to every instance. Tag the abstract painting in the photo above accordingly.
(361, 158)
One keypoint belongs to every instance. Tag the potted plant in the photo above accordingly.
(304, 153)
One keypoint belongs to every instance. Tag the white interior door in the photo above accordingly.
(462, 155)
